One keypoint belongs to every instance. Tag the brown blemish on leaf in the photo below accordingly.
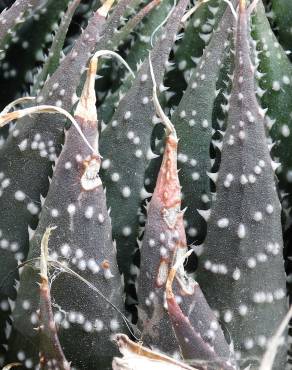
(105, 264)
(167, 186)
(162, 272)
(90, 179)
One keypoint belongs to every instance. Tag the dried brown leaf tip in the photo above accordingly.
(86, 111)
(167, 197)
(86, 116)
(167, 193)
(167, 188)
(242, 6)
(187, 325)
(164, 237)
(105, 8)
(51, 353)
(137, 357)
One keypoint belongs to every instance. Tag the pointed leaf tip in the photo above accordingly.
(105, 8)
(86, 109)
(242, 5)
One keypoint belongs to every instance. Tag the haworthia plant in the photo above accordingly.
(130, 128)
(78, 230)
(164, 243)
(194, 127)
(60, 89)
(34, 144)
(163, 239)
(77, 207)
(242, 253)
(205, 17)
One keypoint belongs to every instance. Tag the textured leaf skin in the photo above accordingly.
(139, 50)
(164, 242)
(271, 60)
(50, 351)
(191, 46)
(135, 21)
(242, 255)
(53, 60)
(111, 40)
(94, 239)
(45, 362)
(114, 22)
(137, 53)
(276, 81)
(125, 142)
(163, 235)
(28, 48)
(195, 348)
(76, 204)
(223, 87)
(200, 26)
(10, 18)
(282, 15)
(31, 147)
(193, 122)
(189, 49)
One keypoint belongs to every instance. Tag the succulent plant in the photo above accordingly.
(145, 184)
(245, 219)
